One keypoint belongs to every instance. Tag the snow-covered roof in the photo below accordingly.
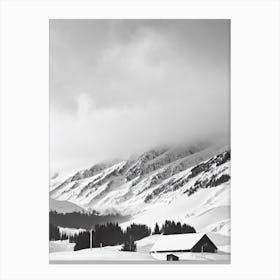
(174, 242)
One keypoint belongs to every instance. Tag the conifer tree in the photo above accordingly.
(129, 245)
(156, 230)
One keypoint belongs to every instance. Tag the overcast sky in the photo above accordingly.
(119, 87)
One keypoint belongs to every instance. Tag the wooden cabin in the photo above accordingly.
(187, 242)
(172, 257)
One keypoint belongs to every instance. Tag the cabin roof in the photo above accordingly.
(175, 242)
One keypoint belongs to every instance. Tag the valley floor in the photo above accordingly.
(113, 254)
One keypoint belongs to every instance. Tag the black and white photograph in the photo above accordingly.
(139, 141)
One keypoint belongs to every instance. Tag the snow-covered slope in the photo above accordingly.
(183, 183)
(64, 206)
(62, 251)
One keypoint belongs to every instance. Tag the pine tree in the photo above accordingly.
(156, 230)
(129, 245)
(178, 228)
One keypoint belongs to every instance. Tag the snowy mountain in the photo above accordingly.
(183, 183)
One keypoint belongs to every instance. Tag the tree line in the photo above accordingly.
(171, 227)
(83, 220)
(111, 234)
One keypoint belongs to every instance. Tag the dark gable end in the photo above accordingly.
(204, 245)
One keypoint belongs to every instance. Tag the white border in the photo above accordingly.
(255, 137)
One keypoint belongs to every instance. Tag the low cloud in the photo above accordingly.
(100, 134)
(121, 87)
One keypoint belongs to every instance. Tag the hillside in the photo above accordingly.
(183, 183)
(64, 206)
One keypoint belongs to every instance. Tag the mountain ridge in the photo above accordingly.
(156, 178)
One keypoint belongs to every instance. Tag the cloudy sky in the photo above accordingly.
(119, 87)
